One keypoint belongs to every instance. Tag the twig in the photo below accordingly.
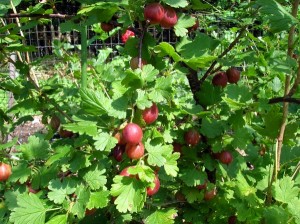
(35, 15)
(284, 99)
(296, 170)
(233, 43)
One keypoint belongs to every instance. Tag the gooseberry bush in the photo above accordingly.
(205, 130)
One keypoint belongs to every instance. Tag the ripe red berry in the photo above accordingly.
(30, 189)
(209, 195)
(233, 75)
(125, 173)
(154, 190)
(192, 137)
(134, 63)
(125, 36)
(132, 133)
(120, 139)
(65, 133)
(154, 13)
(118, 152)
(177, 147)
(195, 26)
(170, 18)
(90, 211)
(5, 171)
(150, 114)
(220, 79)
(202, 186)
(55, 122)
(135, 151)
(232, 219)
(107, 27)
(225, 157)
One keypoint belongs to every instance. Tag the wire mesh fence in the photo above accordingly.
(42, 37)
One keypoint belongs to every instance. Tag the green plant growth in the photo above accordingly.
(205, 130)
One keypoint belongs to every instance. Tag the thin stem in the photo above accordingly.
(229, 48)
(84, 57)
(284, 99)
(296, 170)
(36, 15)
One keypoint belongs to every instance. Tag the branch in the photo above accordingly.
(229, 48)
(35, 15)
(279, 140)
(284, 99)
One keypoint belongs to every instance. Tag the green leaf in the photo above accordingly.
(142, 100)
(61, 153)
(9, 143)
(118, 107)
(166, 49)
(157, 154)
(209, 95)
(284, 189)
(104, 141)
(192, 177)
(162, 89)
(176, 3)
(36, 148)
(30, 210)
(132, 80)
(162, 216)
(59, 219)
(161, 155)
(170, 166)
(94, 177)
(94, 102)
(199, 62)
(293, 208)
(80, 160)
(241, 138)
(149, 73)
(272, 121)
(60, 190)
(130, 192)
(212, 128)
(192, 194)
(251, 214)
(275, 215)
(276, 84)
(243, 189)
(197, 47)
(238, 93)
(98, 199)
(82, 199)
(182, 24)
(20, 173)
(279, 19)
(82, 127)
(145, 173)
